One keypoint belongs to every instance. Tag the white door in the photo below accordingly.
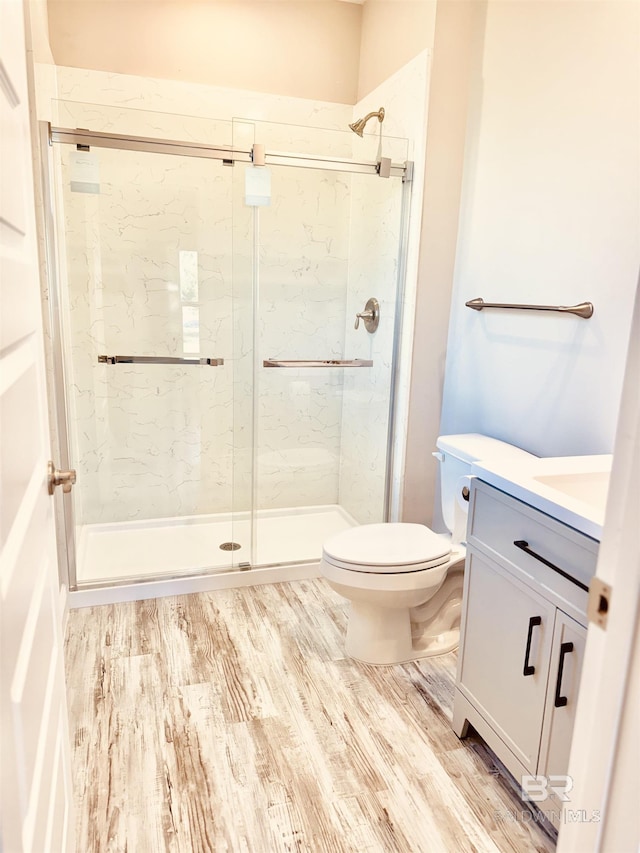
(605, 749)
(34, 750)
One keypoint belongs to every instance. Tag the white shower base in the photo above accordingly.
(157, 548)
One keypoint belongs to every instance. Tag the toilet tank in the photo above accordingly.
(457, 453)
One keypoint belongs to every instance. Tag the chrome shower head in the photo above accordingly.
(358, 126)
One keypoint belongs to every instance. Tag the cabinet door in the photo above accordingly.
(507, 631)
(569, 639)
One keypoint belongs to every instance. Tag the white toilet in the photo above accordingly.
(404, 581)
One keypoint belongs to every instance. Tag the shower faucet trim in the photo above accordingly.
(370, 315)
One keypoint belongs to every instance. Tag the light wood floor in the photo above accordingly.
(232, 721)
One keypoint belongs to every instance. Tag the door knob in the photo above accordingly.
(66, 479)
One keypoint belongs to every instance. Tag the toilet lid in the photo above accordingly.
(388, 547)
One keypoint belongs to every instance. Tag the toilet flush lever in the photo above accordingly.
(370, 315)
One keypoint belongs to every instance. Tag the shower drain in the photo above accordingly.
(230, 546)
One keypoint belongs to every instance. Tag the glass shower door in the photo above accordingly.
(146, 302)
(317, 242)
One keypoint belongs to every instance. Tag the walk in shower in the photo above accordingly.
(219, 407)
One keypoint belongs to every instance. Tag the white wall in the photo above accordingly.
(444, 159)
(549, 215)
(302, 49)
(393, 32)
(322, 49)
(36, 12)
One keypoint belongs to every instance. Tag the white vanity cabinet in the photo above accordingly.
(522, 635)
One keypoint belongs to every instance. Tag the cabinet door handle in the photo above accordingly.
(529, 669)
(524, 546)
(561, 701)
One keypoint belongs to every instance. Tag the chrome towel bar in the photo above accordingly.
(584, 309)
(337, 362)
(157, 359)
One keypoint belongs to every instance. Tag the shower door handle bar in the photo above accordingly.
(157, 359)
(334, 362)
(584, 309)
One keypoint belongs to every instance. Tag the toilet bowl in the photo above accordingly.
(403, 580)
(388, 571)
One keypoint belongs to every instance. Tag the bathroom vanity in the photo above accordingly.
(524, 617)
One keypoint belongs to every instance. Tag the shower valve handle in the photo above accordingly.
(364, 315)
(370, 315)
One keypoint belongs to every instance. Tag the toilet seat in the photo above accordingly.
(388, 548)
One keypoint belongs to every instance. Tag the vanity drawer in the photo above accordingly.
(497, 521)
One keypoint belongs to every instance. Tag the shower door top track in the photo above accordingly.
(228, 155)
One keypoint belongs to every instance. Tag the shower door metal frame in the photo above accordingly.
(57, 394)
(403, 247)
(228, 155)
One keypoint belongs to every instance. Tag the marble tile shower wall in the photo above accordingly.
(176, 105)
(149, 273)
(375, 235)
(303, 269)
(321, 434)
(373, 272)
(160, 441)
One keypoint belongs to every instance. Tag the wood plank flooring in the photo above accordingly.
(233, 721)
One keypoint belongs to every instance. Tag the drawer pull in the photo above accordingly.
(529, 669)
(561, 701)
(524, 546)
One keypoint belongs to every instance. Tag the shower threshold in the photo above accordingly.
(156, 548)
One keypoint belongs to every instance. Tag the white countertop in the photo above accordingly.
(572, 489)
